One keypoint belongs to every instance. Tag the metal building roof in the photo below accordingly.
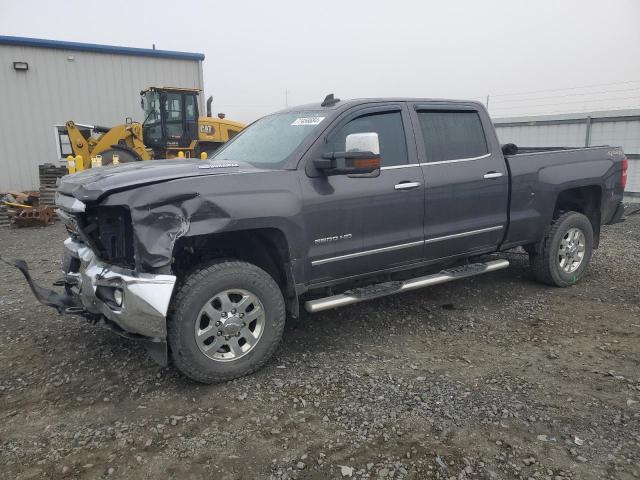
(94, 47)
(571, 117)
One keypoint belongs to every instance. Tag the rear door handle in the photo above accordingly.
(493, 175)
(407, 185)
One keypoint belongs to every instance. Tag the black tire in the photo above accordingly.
(125, 156)
(195, 292)
(545, 259)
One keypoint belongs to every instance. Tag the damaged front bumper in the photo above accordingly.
(144, 298)
(130, 303)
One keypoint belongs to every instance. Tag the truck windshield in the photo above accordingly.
(270, 141)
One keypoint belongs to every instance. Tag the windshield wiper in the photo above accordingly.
(146, 118)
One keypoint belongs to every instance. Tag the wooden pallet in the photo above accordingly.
(49, 175)
(4, 218)
(47, 196)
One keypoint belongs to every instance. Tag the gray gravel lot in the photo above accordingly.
(491, 377)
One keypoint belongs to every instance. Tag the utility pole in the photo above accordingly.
(286, 98)
(487, 104)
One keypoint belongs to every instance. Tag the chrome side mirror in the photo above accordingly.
(362, 142)
(361, 157)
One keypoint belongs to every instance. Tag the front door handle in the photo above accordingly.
(493, 174)
(407, 185)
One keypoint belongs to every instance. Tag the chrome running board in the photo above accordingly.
(383, 289)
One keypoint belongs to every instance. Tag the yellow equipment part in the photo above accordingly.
(173, 152)
(170, 112)
(130, 134)
(217, 130)
(16, 205)
(71, 164)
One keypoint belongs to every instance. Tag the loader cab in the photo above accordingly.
(170, 119)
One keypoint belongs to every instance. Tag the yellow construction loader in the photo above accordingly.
(171, 124)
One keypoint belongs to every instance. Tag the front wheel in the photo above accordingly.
(226, 321)
(125, 156)
(565, 251)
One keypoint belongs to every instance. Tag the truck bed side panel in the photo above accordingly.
(539, 178)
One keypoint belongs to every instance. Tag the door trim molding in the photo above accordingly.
(441, 162)
(391, 248)
(366, 252)
(462, 234)
(457, 160)
(395, 167)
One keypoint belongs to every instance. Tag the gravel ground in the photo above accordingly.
(491, 377)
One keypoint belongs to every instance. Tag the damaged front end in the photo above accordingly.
(123, 226)
(100, 282)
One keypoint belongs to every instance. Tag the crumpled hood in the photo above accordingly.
(95, 183)
(168, 200)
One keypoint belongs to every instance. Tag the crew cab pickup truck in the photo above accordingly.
(317, 207)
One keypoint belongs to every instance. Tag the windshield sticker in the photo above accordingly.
(308, 121)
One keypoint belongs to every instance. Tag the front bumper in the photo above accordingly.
(145, 297)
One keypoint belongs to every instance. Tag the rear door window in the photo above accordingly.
(452, 135)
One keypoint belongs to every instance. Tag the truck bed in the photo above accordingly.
(538, 176)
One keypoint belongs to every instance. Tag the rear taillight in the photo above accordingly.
(623, 177)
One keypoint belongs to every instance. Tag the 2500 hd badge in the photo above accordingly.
(320, 241)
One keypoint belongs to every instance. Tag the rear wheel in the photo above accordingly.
(125, 156)
(227, 320)
(565, 252)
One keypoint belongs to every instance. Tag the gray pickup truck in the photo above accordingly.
(320, 206)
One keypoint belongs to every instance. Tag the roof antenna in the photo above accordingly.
(329, 101)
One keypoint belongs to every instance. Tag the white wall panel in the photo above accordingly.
(623, 133)
(618, 128)
(93, 88)
(563, 135)
(633, 176)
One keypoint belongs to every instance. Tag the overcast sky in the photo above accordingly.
(531, 57)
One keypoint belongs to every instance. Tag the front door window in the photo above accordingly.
(388, 126)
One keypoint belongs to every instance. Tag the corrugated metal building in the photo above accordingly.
(616, 127)
(47, 82)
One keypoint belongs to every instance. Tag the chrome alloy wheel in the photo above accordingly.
(571, 251)
(230, 325)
